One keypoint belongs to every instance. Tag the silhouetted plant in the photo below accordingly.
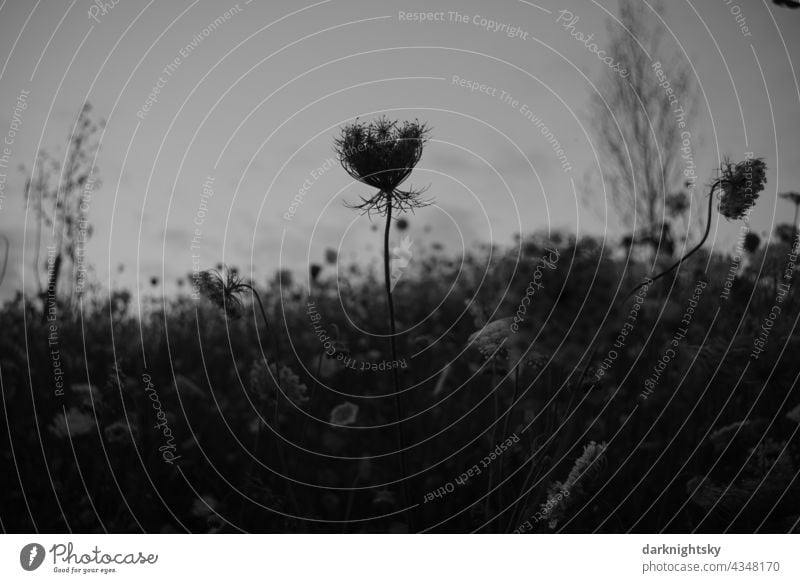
(382, 154)
(68, 212)
(739, 185)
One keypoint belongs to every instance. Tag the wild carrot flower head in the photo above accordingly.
(588, 463)
(740, 186)
(382, 154)
(490, 339)
(265, 390)
(585, 466)
(120, 432)
(344, 414)
(72, 424)
(223, 289)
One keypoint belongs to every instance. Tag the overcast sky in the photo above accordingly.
(251, 105)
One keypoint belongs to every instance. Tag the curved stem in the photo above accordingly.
(275, 344)
(398, 405)
(5, 258)
(694, 249)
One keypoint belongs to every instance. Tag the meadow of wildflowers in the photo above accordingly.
(313, 448)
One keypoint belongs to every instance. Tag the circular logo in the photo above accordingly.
(31, 556)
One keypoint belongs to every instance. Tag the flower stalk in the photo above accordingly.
(739, 186)
(382, 155)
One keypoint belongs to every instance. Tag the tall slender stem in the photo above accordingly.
(275, 344)
(504, 435)
(398, 405)
(690, 253)
(495, 408)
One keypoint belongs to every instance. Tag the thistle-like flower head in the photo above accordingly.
(223, 289)
(740, 186)
(382, 154)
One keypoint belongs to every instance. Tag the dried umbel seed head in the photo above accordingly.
(223, 289)
(740, 186)
(382, 154)
(490, 339)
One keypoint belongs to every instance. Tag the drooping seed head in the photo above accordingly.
(223, 289)
(741, 184)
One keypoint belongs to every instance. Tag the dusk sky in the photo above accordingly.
(249, 108)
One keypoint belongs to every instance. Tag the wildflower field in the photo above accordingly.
(675, 409)
(361, 267)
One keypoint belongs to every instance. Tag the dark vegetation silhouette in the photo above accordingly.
(534, 396)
